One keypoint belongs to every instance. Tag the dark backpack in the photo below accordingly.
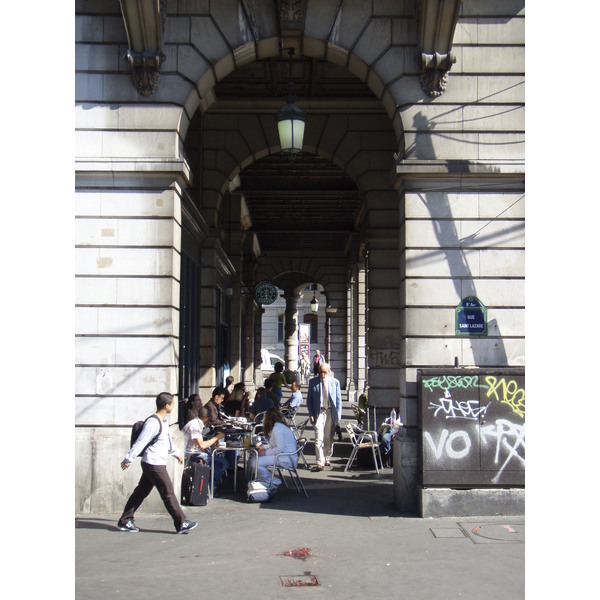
(137, 429)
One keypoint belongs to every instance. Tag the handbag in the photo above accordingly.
(258, 491)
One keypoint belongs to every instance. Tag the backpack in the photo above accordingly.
(258, 492)
(136, 429)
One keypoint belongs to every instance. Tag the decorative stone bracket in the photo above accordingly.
(436, 22)
(144, 24)
(435, 69)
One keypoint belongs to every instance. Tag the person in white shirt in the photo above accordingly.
(295, 400)
(154, 468)
(196, 446)
(281, 439)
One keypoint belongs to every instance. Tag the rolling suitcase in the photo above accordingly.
(194, 484)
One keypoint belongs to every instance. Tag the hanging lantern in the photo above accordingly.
(291, 121)
(314, 303)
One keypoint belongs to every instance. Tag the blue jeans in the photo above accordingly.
(386, 441)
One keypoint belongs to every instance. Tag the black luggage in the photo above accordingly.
(194, 484)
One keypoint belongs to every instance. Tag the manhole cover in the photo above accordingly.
(495, 533)
(299, 580)
(448, 533)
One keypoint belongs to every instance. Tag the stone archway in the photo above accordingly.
(231, 135)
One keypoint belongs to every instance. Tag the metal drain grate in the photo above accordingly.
(306, 580)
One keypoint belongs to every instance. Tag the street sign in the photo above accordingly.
(471, 317)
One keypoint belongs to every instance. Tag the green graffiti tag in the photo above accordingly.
(450, 382)
(507, 393)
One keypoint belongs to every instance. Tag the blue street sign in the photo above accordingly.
(471, 317)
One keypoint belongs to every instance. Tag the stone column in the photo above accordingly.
(258, 314)
(383, 300)
(361, 326)
(127, 315)
(351, 363)
(248, 345)
(291, 334)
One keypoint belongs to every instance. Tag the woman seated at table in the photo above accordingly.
(238, 403)
(281, 439)
(197, 448)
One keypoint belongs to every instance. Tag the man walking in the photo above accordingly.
(324, 402)
(154, 468)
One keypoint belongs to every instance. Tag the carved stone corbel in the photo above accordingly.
(436, 22)
(144, 24)
(435, 69)
(292, 14)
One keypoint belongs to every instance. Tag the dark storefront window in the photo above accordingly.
(189, 332)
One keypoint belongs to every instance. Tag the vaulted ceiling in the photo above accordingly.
(310, 204)
(301, 206)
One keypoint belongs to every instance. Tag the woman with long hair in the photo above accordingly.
(192, 407)
(237, 404)
(281, 439)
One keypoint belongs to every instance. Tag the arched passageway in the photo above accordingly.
(168, 240)
(292, 222)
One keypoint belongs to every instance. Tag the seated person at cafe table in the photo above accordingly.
(196, 446)
(295, 400)
(237, 403)
(281, 439)
(270, 391)
(215, 417)
(261, 403)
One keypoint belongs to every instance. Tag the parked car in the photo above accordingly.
(269, 360)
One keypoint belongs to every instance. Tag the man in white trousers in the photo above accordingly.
(324, 402)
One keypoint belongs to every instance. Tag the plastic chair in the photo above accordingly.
(289, 467)
(363, 439)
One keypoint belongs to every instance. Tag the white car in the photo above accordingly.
(269, 361)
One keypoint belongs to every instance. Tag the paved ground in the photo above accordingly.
(347, 539)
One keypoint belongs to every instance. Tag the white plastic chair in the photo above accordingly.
(363, 439)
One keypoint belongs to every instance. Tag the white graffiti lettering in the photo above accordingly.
(509, 444)
(509, 436)
(463, 409)
(446, 442)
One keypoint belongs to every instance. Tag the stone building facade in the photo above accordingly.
(168, 250)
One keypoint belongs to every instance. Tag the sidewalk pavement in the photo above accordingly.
(346, 541)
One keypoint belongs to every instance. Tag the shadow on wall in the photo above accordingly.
(452, 246)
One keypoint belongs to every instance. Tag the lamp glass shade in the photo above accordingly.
(290, 125)
(314, 305)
